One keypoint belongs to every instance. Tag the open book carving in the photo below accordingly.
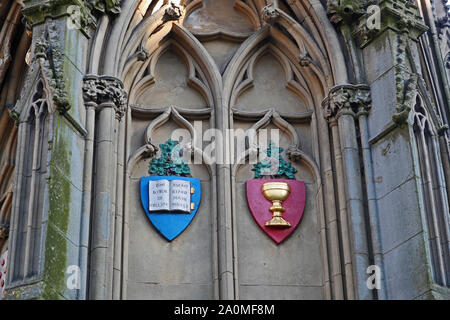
(169, 196)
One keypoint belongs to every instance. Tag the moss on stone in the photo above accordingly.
(59, 212)
(61, 146)
(60, 195)
(55, 263)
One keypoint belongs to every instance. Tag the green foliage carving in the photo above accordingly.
(170, 163)
(274, 165)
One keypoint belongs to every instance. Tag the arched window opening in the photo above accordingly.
(435, 200)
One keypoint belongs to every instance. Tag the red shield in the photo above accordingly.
(260, 206)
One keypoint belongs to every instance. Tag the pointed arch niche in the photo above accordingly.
(266, 89)
(180, 74)
(171, 84)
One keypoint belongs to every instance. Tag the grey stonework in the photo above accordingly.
(89, 89)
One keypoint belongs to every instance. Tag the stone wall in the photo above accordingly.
(362, 116)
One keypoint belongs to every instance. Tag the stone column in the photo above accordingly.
(374, 219)
(340, 105)
(110, 99)
(343, 214)
(87, 194)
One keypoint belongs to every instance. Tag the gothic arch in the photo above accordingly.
(35, 117)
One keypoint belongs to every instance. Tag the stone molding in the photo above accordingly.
(104, 90)
(346, 99)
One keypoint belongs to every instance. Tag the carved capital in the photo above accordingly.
(103, 90)
(270, 14)
(173, 12)
(347, 99)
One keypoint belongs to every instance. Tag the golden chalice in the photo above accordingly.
(277, 192)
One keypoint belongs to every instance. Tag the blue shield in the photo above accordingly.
(170, 225)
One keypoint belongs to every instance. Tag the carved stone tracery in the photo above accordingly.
(49, 55)
(37, 12)
(346, 10)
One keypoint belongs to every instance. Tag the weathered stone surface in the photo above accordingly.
(407, 276)
(395, 149)
(383, 104)
(282, 292)
(400, 220)
(378, 60)
(350, 102)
